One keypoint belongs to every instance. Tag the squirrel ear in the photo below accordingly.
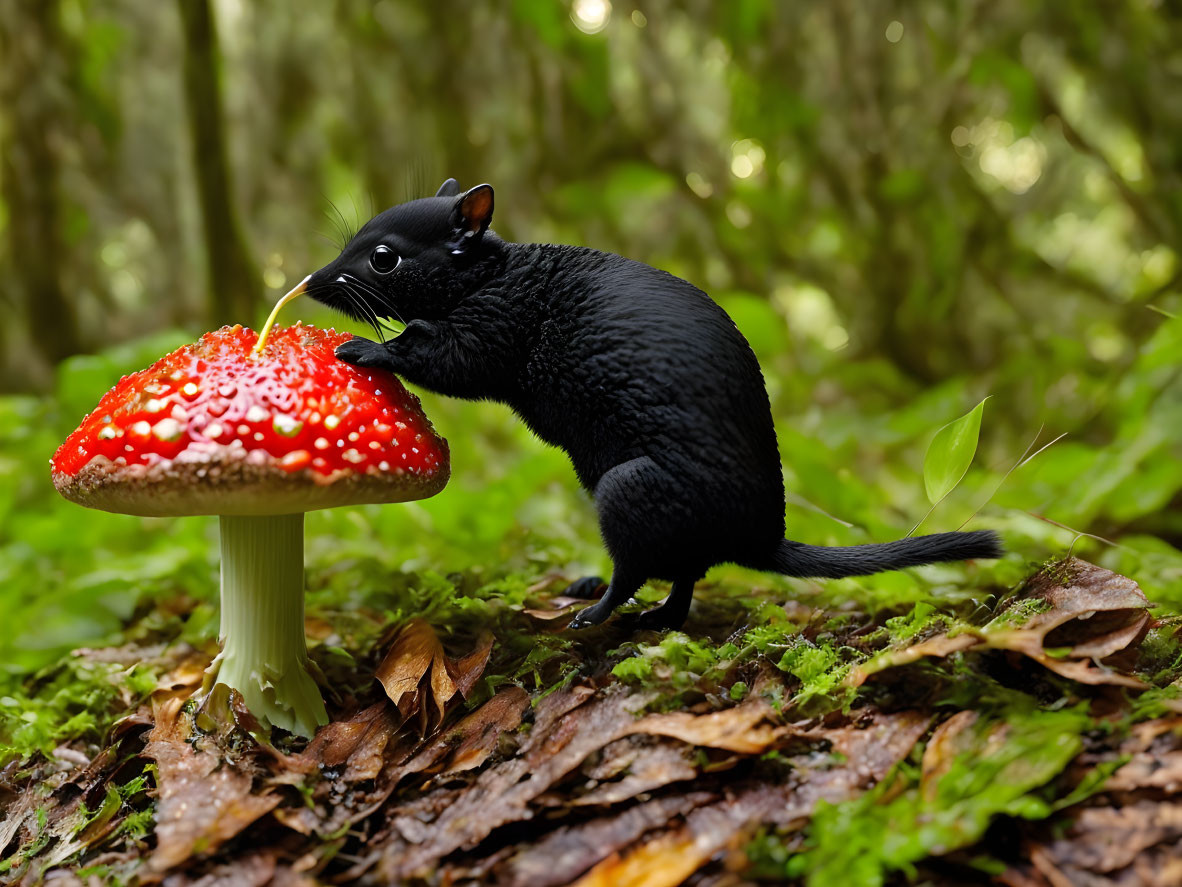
(450, 188)
(473, 212)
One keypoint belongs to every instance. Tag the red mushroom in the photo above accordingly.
(258, 440)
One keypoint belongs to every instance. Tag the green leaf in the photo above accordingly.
(951, 452)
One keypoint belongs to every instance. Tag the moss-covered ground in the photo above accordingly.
(1008, 722)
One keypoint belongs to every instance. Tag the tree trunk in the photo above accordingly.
(233, 279)
(31, 92)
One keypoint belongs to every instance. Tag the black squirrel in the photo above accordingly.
(638, 375)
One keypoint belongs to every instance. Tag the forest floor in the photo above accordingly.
(1031, 737)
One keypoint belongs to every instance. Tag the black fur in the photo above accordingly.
(639, 376)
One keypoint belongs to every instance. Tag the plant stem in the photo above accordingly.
(264, 656)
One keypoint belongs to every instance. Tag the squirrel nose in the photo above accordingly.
(340, 279)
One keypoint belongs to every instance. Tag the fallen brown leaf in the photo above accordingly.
(1155, 758)
(558, 608)
(419, 677)
(742, 728)
(373, 755)
(874, 744)
(185, 677)
(669, 859)
(465, 672)
(1105, 839)
(567, 853)
(937, 648)
(1083, 611)
(430, 828)
(644, 765)
(425, 830)
(353, 767)
(414, 650)
(1091, 613)
(357, 743)
(665, 861)
(252, 870)
(204, 798)
(476, 736)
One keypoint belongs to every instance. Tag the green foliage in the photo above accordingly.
(820, 669)
(77, 699)
(950, 454)
(676, 660)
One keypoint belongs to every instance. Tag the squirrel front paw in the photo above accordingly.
(364, 353)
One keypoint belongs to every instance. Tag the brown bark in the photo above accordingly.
(234, 285)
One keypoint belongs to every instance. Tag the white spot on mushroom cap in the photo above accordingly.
(286, 425)
(167, 429)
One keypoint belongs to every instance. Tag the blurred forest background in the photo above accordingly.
(905, 206)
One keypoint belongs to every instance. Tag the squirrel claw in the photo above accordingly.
(596, 614)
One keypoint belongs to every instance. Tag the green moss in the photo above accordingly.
(1159, 659)
(1155, 703)
(1019, 613)
(78, 699)
(902, 820)
(820, 668)
(1059, 570)
(678, 664)
(921, 618)
(634, 670)
(674, 663)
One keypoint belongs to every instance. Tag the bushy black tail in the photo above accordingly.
(821, 562)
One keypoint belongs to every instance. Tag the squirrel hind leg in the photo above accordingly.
(671, 615)
(622, 587)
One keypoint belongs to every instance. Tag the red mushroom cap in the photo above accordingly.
(210, 429)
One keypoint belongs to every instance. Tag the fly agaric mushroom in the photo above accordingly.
(257, 439)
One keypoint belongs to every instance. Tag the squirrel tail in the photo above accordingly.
(823, 562)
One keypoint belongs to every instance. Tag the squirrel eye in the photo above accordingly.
(384, 260)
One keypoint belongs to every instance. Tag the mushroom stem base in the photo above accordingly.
(264, 656)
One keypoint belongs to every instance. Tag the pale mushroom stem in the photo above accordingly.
(264, 656)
